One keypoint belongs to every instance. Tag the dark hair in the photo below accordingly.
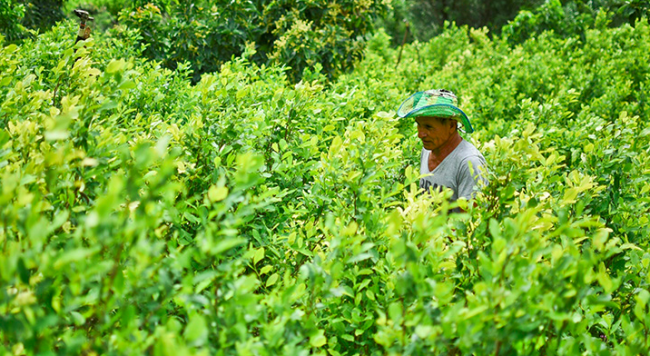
(444, 120)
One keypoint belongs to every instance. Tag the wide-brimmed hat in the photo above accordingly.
(440, 103)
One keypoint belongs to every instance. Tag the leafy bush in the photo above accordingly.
(572, 18)
(519, 20)
(18, 16)
(141, 214)
(42, 14)
(395, 21)
(106, 12)
(550, 16)
(11, 16)
(428, 17)
(292, 33)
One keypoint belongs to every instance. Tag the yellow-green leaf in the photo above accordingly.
(266, 269)
(259, 255)
(115, 65)
(319, 339)
(272, 280)
(217, 193)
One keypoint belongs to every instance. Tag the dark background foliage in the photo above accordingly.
(427, 18)
(42, 14)
(17, 16)
(296, 34)
(320, 36)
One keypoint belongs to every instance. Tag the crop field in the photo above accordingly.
(149, 211)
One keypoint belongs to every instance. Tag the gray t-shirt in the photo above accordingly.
(460, 171)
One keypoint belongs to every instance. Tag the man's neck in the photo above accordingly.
(448, 147)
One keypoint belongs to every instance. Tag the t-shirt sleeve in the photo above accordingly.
(471, 176)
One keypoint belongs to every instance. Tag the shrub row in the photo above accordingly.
(141, 214)
(295, 34)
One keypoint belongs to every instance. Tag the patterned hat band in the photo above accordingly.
(434, 103)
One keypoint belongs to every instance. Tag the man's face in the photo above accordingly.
(434, 132)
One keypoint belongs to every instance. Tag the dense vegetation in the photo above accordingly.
(427, 18)
(246, 214)
(19, 17)
(292, 33)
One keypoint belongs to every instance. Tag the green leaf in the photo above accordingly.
(77, 318)
(118, 282)
(272, 279)
(475, 311)
(128, 315)
(115, 65)
(227, 244)
(217, 193)
(248, 283)
(645, 132)
(56, 135)
(604, 279)
(628, 246)
(259, 255)
(5, 81)
(495, 231)
(360, 257)
(395, 312)
(424, 331)
(108, 105)
(126, 85)
(196, 331)
(318, 340)
(266, 269)
(75, 255)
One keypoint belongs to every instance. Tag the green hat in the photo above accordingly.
(436, 103)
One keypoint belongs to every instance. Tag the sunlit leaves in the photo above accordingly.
(142, 214)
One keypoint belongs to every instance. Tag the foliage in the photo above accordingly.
(570, 18)
(395, 21)
(42, 14)
(428, 17)
(17, 17)
(296, 34)
(519, 20)
(245, 214)
(551, 16)
(11, 15)
(106, 12)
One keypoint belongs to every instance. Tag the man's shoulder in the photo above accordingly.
(469, 152)
(469, 147)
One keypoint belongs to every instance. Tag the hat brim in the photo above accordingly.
(442, 111)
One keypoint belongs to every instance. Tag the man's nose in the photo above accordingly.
(421, 133)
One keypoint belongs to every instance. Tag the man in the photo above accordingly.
(447, 160)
